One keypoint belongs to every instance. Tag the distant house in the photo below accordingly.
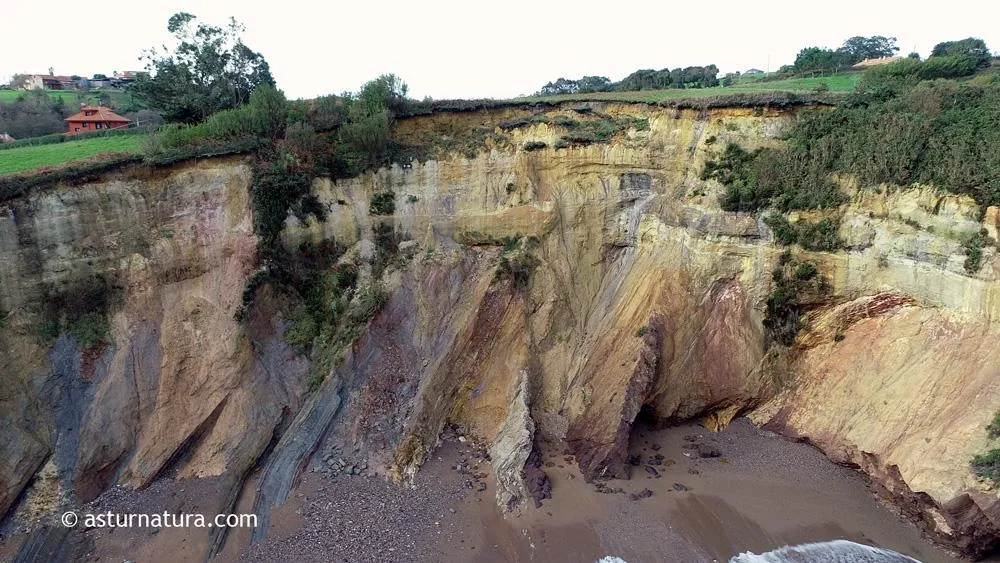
(5, 138)
(48, 82)
(875, 62)
(753, 71)
(94, 118)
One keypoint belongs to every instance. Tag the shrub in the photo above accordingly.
(302, 331)
(796, 284)
(974, 251)
(993, 428)
(517, 269)
(987, 465)
(279, 185)
(533, 146)
(805, 271)
(821, 235)
(89, 329)
(784, 232)
(383, 203)
(770, 178)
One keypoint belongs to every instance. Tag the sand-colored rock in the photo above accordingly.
(180, 380)
(647, 300)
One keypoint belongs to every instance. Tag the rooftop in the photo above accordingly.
(101, 114)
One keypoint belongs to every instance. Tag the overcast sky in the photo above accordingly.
(468, 49)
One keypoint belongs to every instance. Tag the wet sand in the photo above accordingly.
(761, 493)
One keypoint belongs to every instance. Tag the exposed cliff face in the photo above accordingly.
(629, 291)
(180, 387)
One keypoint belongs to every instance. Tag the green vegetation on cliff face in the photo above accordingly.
(988, 465)
(796, 286)
(895, 130)
(820, 235)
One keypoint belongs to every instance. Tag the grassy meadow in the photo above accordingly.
(27, 158)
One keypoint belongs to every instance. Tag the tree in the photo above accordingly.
(817, 58)
(19, 81)
(971, 47)
(100, 77)
(32, 114)
(387, 92)
(370, 116)
(859, 48)
(589, 84)
(584, 85)
(210, 69)
(561, 86)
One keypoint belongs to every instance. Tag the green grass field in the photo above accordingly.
(118, 97)
(58, 154)
(838, 83)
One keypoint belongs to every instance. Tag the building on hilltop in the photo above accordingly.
(48, 82)
(94, 118)
(879, 61)
(753, 71)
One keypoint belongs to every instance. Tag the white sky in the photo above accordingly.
(469, 48)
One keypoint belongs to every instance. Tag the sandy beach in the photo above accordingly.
(693, 495)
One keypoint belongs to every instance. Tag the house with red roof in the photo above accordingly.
(94, 118)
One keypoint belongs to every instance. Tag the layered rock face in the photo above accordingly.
(182, 387)
(543, 299)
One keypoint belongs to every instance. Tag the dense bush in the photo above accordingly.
(383, 203)
(974, 250)
(263, 117)
(796, 285)
(764, 178)
(517, 269)
(897, 131)
(280, 185)
(987, 465)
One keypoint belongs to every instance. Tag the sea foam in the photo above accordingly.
(837, 551)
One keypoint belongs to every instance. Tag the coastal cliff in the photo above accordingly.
(539, 295)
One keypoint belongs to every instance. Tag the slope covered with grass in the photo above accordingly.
(33, 157)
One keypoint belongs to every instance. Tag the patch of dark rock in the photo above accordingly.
(680, 487)
(536, 480)
(645, 493)
(707, 450)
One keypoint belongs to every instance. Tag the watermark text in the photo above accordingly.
(164, 519)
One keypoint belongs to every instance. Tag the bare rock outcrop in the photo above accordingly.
(509, 451)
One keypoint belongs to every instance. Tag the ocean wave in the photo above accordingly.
(837, 551)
